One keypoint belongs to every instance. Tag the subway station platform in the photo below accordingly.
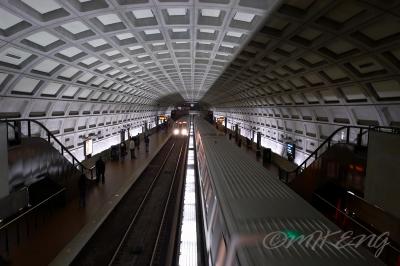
(64, 232)
(277, 161)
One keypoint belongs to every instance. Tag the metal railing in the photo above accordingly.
(12, 230)
(21, 223)
(18, 127)
(346, 134)
(348, 221)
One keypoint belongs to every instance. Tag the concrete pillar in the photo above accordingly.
(236, 132)
(226, 125)
(4, 188)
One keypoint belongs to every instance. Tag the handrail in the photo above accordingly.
(31, 209)
(49, 135)
(328, 141)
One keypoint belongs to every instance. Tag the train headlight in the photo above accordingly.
(176, 131)
(184, 132)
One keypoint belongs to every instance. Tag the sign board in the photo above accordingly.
(88, 147)
(290, 151)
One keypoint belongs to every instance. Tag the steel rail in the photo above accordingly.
(140, 208)
(166, 208)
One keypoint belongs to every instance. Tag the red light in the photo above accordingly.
(359, 168)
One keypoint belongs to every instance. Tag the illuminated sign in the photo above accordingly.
(88, 147)
(290, 151)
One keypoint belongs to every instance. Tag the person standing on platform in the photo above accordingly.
(147, 142)
(82, 190)
(132, 148)
(100, 170)
(123, 150)
(138, 141)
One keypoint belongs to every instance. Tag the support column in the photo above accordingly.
(4, 186)
(236, 132)
(226, 125)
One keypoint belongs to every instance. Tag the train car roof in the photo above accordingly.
(254, 201)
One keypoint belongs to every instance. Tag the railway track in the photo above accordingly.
(137, 232)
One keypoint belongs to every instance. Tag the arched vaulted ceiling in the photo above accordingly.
(316, 65)
(96, 65)
(299, 67)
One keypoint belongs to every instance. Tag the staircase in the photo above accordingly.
(332, 180)
(43, 174)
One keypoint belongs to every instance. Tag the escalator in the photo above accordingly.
(334, 183)
(37, 170)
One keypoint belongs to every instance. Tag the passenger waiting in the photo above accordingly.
(123, 150)
(138, 141)
(132, 148)
(147, 142)
(100, 170)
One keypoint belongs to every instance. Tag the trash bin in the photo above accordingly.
(115, 152)
(267, 155)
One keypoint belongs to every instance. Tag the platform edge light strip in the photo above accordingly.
(188, 237)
